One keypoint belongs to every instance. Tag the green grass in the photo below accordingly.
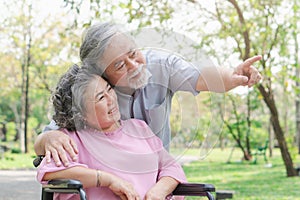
(248, 181)
(16, 161)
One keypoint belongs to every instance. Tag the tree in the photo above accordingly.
(259, 33)
(266, 90)
(21, 38)
(25, 80)
(295, 19)
(37, 49)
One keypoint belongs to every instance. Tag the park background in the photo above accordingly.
(40, 40)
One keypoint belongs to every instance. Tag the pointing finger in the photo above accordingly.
(252, 60)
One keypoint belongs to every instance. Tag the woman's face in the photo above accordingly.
(102, 111)
(126, 65)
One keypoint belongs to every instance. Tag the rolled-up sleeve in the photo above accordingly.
(168, 166)
(51, 167)
(172, 71)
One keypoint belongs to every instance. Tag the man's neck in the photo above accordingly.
(125, 90)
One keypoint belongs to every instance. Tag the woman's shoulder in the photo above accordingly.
(136, 127)
(139, 129)
(71, 134)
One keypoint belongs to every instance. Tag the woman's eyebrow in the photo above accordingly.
(108, 86)
(101, 92)
(98, 94)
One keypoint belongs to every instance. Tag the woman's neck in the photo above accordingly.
(111, 128)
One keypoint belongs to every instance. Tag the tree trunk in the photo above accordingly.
(26, 98)
(248, 125)
(25, 86)
(4, 132)
(271, 138)
(21, 131)
(298, 120)
(238, 136)
(269, 100)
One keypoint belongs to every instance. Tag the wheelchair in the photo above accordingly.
(75, 187)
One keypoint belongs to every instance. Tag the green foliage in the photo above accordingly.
(49, 45)
(16, 151)
(16, 161)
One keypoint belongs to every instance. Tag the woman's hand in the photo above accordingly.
(162, 189)
(57, 145)
(118, 186)
(155, 194)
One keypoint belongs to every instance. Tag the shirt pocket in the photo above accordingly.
(157, 117)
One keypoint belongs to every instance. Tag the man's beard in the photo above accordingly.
(135, 83)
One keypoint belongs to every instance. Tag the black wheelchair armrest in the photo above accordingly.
(195, 189)
(62, 186)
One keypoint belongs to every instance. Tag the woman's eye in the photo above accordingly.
(100, 98)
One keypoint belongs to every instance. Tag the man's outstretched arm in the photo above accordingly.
(221, 79)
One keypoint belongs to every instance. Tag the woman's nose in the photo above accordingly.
(109, 98)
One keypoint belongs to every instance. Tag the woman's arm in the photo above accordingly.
(95, 178)
(88, 177)
(170, 173)
(162, 188)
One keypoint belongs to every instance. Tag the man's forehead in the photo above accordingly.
(119, 45)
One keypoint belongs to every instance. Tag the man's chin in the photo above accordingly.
(141, 82)
(138, 84)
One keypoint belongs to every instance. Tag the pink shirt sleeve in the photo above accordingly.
(168, 166)
(51, 167)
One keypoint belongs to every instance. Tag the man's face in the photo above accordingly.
(126, 66)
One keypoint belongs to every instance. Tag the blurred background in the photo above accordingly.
(40, 39)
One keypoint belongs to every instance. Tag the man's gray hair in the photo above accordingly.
(95, 41)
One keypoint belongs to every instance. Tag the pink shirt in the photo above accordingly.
(132, 153)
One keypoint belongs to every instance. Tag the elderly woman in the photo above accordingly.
(117, 159)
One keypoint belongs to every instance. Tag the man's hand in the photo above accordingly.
(246, 74)
(222, 79)
(57, 145)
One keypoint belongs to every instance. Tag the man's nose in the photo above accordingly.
(131, 64)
